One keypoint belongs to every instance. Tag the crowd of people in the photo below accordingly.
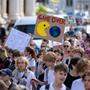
(63, 67)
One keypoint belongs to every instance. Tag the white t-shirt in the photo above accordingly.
(18, 76)
(32, 62)
(52, 88)
(29, 78)
(78, 85)
(50, 76)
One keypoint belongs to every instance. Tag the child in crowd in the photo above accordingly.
(60, 73)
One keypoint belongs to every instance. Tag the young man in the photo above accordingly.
(60, 72)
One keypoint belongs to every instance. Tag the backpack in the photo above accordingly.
(47, 87)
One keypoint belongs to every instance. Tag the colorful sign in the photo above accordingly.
(50, 27)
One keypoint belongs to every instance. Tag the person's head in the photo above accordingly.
(82, 66)
(30, 51)
(86, 80)
(3, 53)
(85, 36)
(44, 43)
(16, 54)
(59, 54)
(5, 75)
(77, 52)
(61, 71)
(21, 63)
(49, 58)
(66, 45)
(73, 62)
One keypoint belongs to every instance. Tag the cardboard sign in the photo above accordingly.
(17, 40)
(50, 27)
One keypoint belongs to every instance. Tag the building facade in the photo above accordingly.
(14, 9)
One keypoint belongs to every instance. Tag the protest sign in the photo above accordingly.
(17, 40)
(50, 27)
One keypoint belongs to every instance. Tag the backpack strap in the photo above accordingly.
(47, 70)
(47, 87)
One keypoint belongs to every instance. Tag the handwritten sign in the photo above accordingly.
(17, 40)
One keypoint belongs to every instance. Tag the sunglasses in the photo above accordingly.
(66, 46)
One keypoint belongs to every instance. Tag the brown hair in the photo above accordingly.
(50, 56)
(82, 65)
(79, 50)
(86, 74)
(31, 52)
(61, 67)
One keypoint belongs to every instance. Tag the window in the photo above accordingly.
(26, 28)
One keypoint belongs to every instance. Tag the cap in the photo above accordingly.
(7, 71)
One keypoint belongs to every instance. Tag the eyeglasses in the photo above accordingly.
(66, 46)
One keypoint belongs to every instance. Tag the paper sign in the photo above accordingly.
(17, 40)
(50, 27)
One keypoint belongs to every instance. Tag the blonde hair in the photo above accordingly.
(21, 58)
(79, 50)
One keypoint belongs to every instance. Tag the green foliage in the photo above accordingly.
(41, 9)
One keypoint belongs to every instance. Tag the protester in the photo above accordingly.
(49, 59)
(60, 72)
(4, 62)
(21, 75)
(87, 80)
(31, 56)
(47, 65)
(78, 66)
(79, 83)
(5, 77)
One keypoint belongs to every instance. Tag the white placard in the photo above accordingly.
(88, 29)
(17, 40)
